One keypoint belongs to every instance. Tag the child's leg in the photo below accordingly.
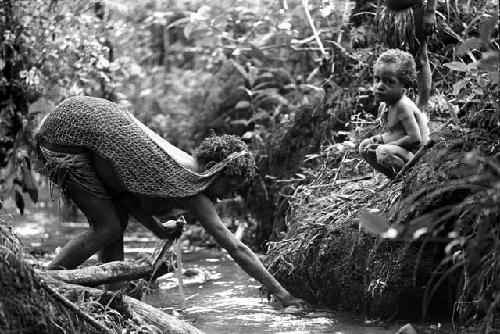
(392, 158)
(367, 150)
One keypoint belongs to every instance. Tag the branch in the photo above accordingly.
(305, 4)
(141, 313)
(73, 308)
(106, 273)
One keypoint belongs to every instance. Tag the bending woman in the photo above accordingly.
(113, 167)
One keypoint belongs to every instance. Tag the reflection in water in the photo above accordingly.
(220, 297)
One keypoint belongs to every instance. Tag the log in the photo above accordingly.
(141, 313)
(110, 272)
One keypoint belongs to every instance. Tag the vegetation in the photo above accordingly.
(293, 79)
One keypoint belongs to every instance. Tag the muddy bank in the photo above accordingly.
(326, 258)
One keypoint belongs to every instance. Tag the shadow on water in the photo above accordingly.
(220, 298)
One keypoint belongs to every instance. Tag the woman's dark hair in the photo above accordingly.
(214, 149)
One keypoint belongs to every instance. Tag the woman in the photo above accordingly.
(113, 166)
(406, 24)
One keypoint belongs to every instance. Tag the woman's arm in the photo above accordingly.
(145, 218)
(205, 211)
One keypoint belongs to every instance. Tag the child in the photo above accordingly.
(406, 24)
(406, 127)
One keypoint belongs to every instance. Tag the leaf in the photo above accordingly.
(373, 223)
(494, 77)
(457, 66)
(487, 28)
(253, 71)
(489, 61)
(188, 29)
(453, 114)
(203, 12)
(468, 44)
(271, 93)
(459, 85)
(179, 22)
(247, 135)
(241, 70)
(243, 105)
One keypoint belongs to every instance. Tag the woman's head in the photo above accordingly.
(402, 64)
(215, 149)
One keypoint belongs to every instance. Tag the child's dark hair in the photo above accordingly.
(404, 65)
(217, 148)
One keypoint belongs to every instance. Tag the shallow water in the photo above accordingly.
(229, 302)
(219, 299)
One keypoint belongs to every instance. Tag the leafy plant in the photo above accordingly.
(476, 91)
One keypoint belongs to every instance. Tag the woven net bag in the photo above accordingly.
(142, 160)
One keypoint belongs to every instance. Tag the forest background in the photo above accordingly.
(292, 78)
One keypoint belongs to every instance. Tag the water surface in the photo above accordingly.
(219, 297)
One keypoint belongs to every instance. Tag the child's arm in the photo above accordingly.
(409, 122)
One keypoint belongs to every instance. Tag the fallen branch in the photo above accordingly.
(106, 273)
(73, 308)
(140, 312)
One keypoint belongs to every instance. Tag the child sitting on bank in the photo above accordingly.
(406, 128)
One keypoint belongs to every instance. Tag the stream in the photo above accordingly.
(219, 297)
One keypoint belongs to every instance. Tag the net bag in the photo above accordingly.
(143, 161)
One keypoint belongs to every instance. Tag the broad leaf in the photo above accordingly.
(468, 44)
(459, 85)
(489, 61)
(487, 28)
(375, 224)
(457, 66)
(243, 105)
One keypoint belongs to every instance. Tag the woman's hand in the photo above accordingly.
(171, 229)
(288, 300)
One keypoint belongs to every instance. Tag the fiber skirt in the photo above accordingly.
(70, 168)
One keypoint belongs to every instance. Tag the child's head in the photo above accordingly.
(401, 62)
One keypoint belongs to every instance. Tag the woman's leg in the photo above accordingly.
(104, 231)
(424, 78)
(424, 75)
